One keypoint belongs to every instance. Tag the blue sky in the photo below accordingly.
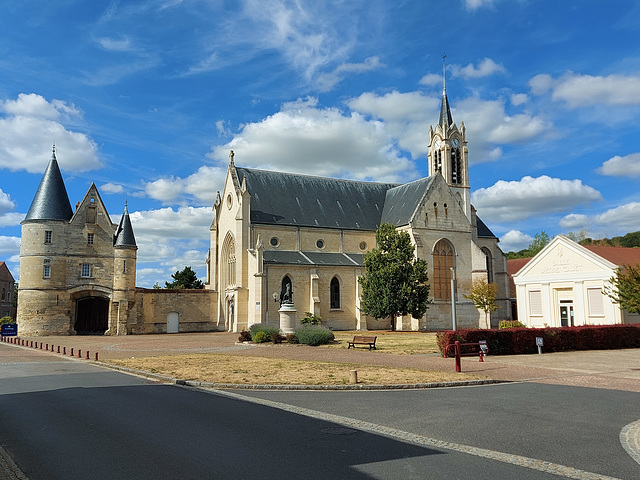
(146, 98)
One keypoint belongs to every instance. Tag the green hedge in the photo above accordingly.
(515, 341)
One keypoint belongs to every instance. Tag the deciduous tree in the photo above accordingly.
(483, 295)
(395, 282)
(624, 288)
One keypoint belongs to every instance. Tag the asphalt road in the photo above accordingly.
(65, 419)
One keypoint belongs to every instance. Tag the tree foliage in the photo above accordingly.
(185, 278)
(483, 295)
(540, 241)
(395, 282)
(624, 288)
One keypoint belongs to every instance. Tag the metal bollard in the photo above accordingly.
(79, 353)
(58, 348)
(96, 356)
(72, 352)
(481, 357)
(87, 355)
(64, 350)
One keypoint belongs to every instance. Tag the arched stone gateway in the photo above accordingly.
(92, 316)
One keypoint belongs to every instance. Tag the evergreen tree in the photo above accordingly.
(395, 282)
(185, 278)
(624, 288)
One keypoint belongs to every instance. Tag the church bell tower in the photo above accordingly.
(448, 153)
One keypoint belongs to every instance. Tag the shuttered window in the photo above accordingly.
(596, 301)
(535, 302)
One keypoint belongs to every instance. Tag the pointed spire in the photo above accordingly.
(445, 112)
(124, 233)
(51, 201)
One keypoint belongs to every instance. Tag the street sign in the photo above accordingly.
(9, 330)
(539, 341)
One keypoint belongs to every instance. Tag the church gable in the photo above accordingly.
(402, 202)
(439, 209)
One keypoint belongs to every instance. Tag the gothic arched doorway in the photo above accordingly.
(92, 316)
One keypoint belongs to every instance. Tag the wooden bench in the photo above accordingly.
(362, 340)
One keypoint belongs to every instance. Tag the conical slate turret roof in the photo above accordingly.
(51, 201)
(124, 233)
(445, 113)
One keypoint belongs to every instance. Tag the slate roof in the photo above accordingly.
(51, 201)
(289, 199)
(123, 237)
(312, 258)
(401, 202)
(445, 113)
(483, 230)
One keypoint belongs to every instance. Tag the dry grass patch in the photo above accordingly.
(408, 343)
(238, 369)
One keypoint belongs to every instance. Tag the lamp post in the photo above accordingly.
(453, 299)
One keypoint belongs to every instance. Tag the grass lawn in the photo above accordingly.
(240, 369)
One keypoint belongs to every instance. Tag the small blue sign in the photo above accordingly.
(9, 329)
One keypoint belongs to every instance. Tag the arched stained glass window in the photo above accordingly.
(443, 262)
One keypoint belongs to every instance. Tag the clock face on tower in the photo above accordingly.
(455, 143)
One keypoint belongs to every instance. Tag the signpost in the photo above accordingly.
(9, 329)
(539, 343)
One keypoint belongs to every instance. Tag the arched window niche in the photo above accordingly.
(443, 262)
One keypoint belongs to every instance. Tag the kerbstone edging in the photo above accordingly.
(630, 440)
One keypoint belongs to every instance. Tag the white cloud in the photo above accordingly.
(431, 80)
(578, 90)
(615, 221)
(303, 138)
(476, 4)
(31, 125)
(112, 188)
(116, 45)
(11, 219)
(201, 186)
(6, 204)
(170, 238)
(519, 99)
(485, 68)
(488, 124)
(530, 197)
(326, 81)
(627, 166)
(514, 241)
(9, 246)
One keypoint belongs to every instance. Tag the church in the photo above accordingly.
(271, 233)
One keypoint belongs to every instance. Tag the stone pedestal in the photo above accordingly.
(288, 320)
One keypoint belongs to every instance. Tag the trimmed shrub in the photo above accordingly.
(514, 341)
(261, 337)
(276, 338)
(510, 324)
(244, 336)
(291, 338)
(260, 327)
(311, 319)
(314, 335)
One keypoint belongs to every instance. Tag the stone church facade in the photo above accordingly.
(270, 231)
